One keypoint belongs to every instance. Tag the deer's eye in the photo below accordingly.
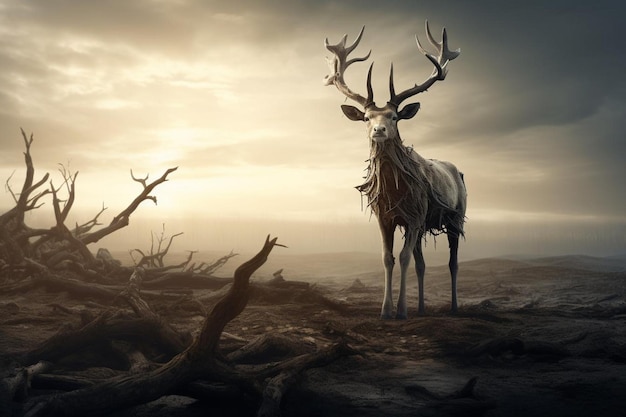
(394, 118)
(366, 119)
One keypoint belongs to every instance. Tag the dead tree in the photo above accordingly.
(159, 248)
(26, 248)
(14, 234)
(187, 273)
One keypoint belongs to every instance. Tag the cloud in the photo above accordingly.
(232, 93)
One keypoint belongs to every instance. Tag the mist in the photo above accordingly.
(483, 239)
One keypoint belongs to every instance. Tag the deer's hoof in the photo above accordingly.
(401, 316)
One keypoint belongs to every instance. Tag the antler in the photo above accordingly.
(338, 65)
(444, 55)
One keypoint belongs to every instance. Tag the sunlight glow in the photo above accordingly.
(116, 104)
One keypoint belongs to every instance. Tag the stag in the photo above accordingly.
(403, 189)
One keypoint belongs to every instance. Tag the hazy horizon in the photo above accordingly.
(532, 112)
(483, 239)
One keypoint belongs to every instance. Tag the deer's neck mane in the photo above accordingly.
(395, 184)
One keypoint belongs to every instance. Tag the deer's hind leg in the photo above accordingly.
(453, 264)
(420, 269)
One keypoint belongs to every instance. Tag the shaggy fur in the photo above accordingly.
(419, 204)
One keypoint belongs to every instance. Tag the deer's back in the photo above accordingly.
(448, 198)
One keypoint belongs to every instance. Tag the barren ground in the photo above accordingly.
(543, 337)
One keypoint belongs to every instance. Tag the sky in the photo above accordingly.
(533, 112)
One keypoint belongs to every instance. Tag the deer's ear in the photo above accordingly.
(353, 113)
(409, 111)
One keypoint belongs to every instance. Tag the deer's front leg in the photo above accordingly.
(386, 231)
(410, 240)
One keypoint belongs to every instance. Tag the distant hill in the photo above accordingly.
(347, 266)
(583, 262)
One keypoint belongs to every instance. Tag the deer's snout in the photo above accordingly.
(379, 133)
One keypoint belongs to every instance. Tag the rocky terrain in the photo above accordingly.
(532, 337)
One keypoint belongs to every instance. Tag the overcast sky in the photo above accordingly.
(533, 112)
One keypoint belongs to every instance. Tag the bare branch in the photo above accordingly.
(155, 258)
(230, 306)
(23, 201)
(208, 269)
(141, 181)
(122, 219)
(80, 230)
(7, 187)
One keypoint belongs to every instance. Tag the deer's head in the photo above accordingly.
(382, 122)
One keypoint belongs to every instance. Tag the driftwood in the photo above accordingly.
(197, 360)
(186, 279)
(193, 367)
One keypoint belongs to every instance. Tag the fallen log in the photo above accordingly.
(186, 279)
(197, 361)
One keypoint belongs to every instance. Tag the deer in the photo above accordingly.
(404, 190)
